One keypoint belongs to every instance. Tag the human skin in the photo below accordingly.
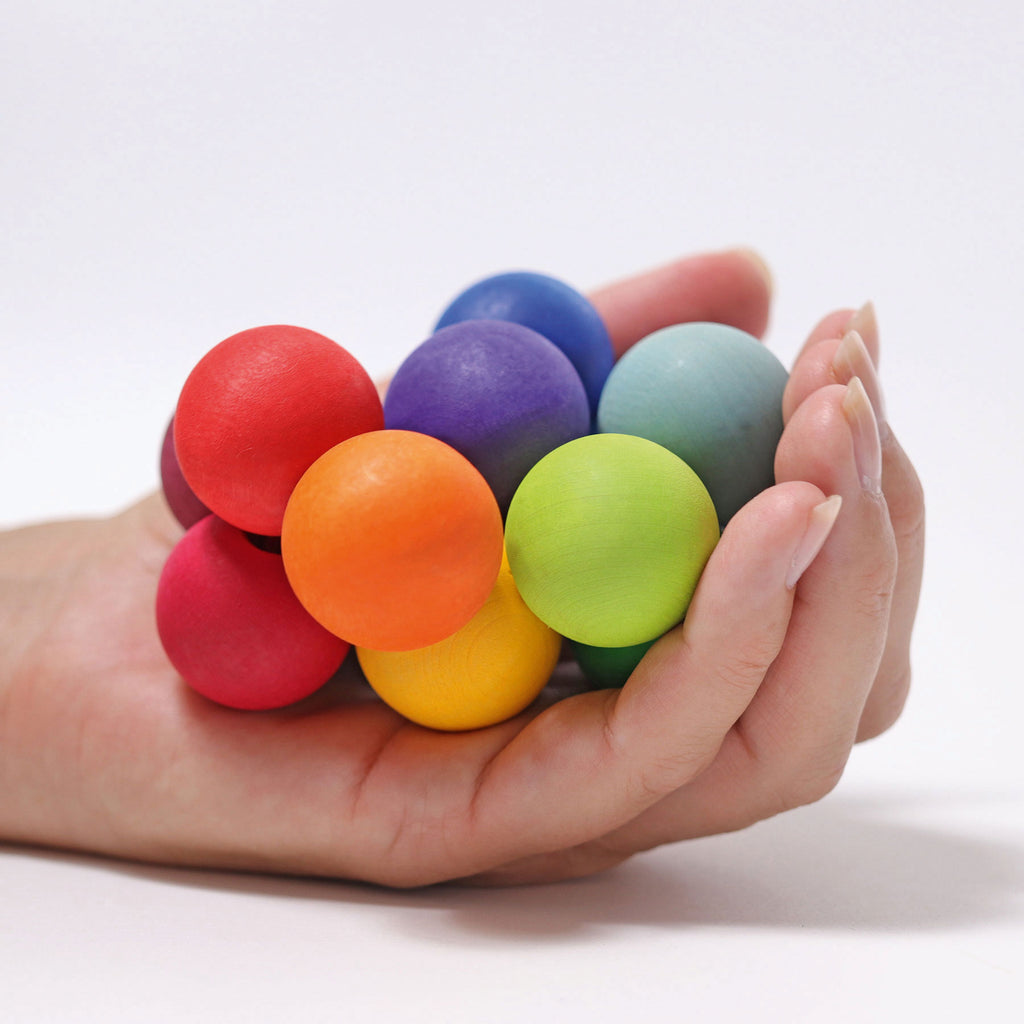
(750, 708)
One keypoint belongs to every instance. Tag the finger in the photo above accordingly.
(792, 742)
(795, 740)
(833, 326)
(832, 361)
(841, 621)
(904, 497)
(594, 762)
(813, 367)
(731, 287)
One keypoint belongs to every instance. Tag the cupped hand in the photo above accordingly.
(796, 645)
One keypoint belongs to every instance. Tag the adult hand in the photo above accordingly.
(787, 655)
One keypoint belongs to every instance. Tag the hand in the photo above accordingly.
(747, 709)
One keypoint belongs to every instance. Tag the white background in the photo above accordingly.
(172, 173)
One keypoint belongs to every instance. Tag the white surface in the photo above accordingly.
(172, 173)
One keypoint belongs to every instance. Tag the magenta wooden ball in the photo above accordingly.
(232, 626)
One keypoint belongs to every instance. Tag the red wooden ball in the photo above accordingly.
(232, 626)
(258, 410)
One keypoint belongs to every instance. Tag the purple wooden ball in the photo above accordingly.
(187, 508)
(499, 393)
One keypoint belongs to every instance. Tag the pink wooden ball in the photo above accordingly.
(232, 626)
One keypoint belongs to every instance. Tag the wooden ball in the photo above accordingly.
(231, 625)
(609, 667)
(181, 499)
(607, 537)
(256, 412)
(491, 669)
(392, 540)
(710, 393)
(549, 306)
(500, 393)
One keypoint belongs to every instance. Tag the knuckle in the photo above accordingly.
(663, 775)
(743, 668)
(873, 600)
(907, 507)
(873, 591)
(814, 783)
(884, 705)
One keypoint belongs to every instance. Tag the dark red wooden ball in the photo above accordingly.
(258, 410)
(232, 626)
(184, 504)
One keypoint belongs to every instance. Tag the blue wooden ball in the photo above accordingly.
(710, 393)
(552, 308)
(499, 393)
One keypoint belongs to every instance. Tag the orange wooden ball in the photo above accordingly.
(392, 540)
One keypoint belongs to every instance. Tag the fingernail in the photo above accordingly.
(762, 267)
(865, 323)
(852, 359)
(867, 448)
(823, 518)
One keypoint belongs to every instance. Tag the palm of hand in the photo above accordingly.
(164, 774)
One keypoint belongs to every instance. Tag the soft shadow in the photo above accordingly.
(848, 863)
(845, 864)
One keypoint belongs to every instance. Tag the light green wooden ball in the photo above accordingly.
(607, 537)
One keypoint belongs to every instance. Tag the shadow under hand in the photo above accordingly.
(847, 863)
(844, 864)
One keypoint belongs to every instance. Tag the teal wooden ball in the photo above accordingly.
(607, 536)
(710, 393)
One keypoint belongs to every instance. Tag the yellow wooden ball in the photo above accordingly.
(490, 670)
